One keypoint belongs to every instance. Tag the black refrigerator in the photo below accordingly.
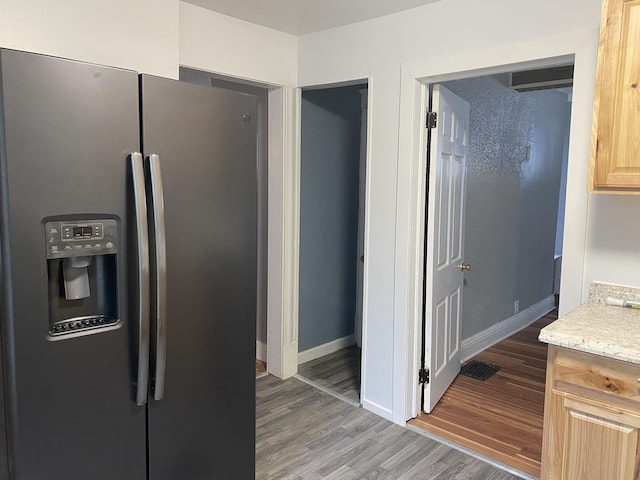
(128, 275)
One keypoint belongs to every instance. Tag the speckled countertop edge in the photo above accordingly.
(599, 291)
(600, 329)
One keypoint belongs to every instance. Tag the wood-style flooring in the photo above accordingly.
(261, 367)
(501, 417)
(338, 372)
(303, 433)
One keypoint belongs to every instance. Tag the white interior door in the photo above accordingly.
(445, 242)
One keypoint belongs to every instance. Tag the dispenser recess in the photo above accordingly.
(82, 276)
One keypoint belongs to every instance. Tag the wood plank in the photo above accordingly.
(502, 417)
(303, 433)
(261, 367)
(338, 372)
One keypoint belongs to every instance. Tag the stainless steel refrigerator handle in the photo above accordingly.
(160, 256)
(140, 200)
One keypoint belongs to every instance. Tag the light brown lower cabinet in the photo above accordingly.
(591, 418)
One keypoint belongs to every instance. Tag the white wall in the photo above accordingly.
(438, 39)
(140, 35)
(217, 43)
(613, 240)
(150, 36)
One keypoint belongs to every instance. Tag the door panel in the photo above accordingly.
(204, 427)
(599, 443)
(445, 243)
(68, 129)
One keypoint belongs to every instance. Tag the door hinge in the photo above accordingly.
(423, 376)
(432, 119)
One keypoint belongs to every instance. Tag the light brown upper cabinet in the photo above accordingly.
(615, 139)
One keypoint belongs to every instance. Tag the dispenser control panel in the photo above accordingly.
(92, 231)
(71, 238)
(82, 324)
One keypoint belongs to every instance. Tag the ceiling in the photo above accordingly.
(305, 16)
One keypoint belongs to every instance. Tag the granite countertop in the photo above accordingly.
(598, 328)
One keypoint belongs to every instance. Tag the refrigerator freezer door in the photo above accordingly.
(204, 427)
(68, 128)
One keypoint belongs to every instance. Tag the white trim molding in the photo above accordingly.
(482, 340)
(377, 409)
(261, 351)
(282, 260)
(326, 349)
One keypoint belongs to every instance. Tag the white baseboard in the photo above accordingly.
(261, 351)
(289, 360)
(482, 340)
(326, 349)
(378, 410)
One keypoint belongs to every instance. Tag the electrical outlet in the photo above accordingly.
(516, 306)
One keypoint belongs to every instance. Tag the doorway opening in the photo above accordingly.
(332, 205)
(261, 92)
(506, 216)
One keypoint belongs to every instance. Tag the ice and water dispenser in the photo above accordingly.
(83, 277)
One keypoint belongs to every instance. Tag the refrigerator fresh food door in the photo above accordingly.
(203, 427)
(70, 386)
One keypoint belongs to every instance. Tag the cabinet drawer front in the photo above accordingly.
(582, 373)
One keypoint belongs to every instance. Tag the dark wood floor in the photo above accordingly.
(261, 367)
(500, 418)
(338, 372)
(303, 433)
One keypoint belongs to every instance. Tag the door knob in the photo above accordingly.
(465, 267)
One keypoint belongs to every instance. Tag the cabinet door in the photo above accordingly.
(591, 418)
(598, 442)
(615, 149)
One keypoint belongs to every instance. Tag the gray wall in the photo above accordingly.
(513, 181)
(330, 155)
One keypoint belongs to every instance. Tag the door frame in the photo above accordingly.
(294, 306)
(415, 78)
